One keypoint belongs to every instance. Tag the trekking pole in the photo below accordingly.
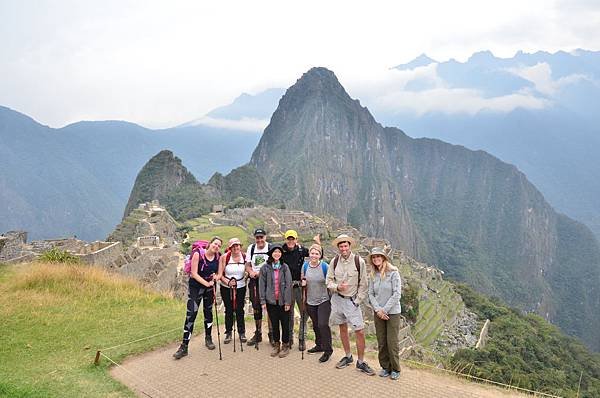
(243, 320)
(217, 320)
(232, 294)
(256, 305)
(302, 316)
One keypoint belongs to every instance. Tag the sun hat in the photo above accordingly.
(377, 251)
(290, 233)
(343, 238)
(233, 241)
(316, 247)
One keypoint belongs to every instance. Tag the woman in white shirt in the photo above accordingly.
(232, 268)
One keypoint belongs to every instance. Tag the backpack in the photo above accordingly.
(228, 257)
(335, 260)
(324, 267)
(199, 246)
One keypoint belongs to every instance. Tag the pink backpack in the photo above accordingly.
(199, 246)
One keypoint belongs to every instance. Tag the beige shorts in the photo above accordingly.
(343, 310)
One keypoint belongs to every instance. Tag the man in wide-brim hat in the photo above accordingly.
(347, 278)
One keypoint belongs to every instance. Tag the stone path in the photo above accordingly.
(254, 373)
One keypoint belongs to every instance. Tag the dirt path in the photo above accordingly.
(254, 373)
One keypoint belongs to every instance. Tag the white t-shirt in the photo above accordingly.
(259, 258)
(235, 270)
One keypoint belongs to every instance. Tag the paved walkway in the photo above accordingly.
(254, 373)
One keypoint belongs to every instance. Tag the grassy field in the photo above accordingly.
(54, 317)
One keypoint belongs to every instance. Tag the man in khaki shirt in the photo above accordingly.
(347, 279)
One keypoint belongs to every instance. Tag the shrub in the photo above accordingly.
(58, 256)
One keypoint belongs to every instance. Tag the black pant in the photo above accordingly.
(255, 299)
(280, 319)
(319, 315)
(197, 293)
(227, 296)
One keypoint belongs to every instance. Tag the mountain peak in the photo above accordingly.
(421, 60)
(317, 79)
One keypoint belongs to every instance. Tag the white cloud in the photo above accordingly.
(541, 76)
(386, 92)
(244, 124)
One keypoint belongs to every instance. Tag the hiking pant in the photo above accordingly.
(197, 293)
(297, 299)
(388, 342)
(279, 318)
(226, 295)
(319, 315)
(255, 299)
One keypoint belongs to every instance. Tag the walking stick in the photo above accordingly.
(217, 320)
(302, 316)
(255, 306)
(232, 294)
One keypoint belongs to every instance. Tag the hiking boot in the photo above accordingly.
(276, 349)
(325, 357)
(384, 373)
(394, 375)
(314, 350)
(285, 350)
(227, 338)
(301, 345)
(209, 343)
(243, 338)
(365, 368)
(181, 352)
(345, 361)
(257, 338)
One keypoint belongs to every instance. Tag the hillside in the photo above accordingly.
(477, 218)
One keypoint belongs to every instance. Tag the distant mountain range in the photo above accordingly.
(76, 180)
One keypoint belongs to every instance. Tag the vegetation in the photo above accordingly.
(527, 351)
(58, 256)
(54, 317)
(410, 301)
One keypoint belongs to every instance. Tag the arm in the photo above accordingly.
(287, 288)
(396, 292)
(372, 299)
(221, 274)
(330, 280)
(363, 287)
(194, 273)
(249, 270)
(262, 285)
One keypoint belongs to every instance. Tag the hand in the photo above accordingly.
(317, 238)
(382, 315)
(342, 287)
(210, 283)
(254, 275)
(264, 306)
(303, 282)
(286, 307)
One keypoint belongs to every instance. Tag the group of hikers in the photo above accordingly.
(279, 278)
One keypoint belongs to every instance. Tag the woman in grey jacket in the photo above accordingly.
(275, 292)
(384, 296)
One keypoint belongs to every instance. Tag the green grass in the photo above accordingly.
(53, 318)
(224, 231)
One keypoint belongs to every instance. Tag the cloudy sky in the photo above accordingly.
(161, 63)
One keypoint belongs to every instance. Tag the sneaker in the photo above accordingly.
(209, 343)
(325, 357)
(394, 375)
(314, 350)
(384, 373)
(227, 338)
(365, 368)
(243, 338)
(345, 361)
(181, 352)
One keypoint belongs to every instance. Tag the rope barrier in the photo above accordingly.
(139, 379)
(480, 379)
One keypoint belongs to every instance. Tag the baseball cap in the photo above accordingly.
(259, 231)
(290, 233)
